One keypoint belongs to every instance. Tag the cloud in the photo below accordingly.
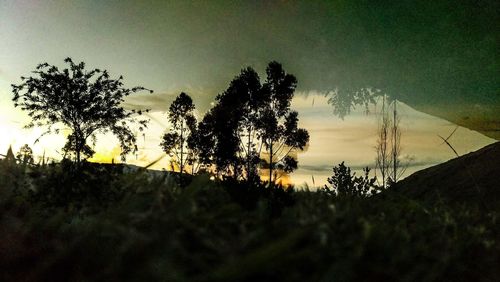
(160, 102)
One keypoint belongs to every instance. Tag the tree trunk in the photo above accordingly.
(78, 144)
(395, 144)
(249, 156)
(78, 158)
(271, 164)
(181, 166)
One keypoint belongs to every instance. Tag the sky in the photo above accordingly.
(437, 57)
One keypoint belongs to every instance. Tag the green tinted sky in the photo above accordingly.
(437, 53)
(440, 57)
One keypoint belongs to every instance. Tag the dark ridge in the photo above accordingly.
(470, 178)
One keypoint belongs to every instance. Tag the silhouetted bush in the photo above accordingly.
(345, 184)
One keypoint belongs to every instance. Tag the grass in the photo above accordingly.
(102, 224)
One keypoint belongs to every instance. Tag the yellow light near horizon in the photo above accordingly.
(332, 140)
(12, 134)
(106, 156)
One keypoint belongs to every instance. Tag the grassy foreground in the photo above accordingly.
(104, 224)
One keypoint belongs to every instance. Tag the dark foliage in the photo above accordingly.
(178, 141)
(280, 132)
(345, 184)
(248, 196)
(88, 186)
(25, 155)
(251, 127)
(86, 102)
(218, 231)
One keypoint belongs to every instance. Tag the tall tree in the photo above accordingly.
(201, 144)
(86, 102)
(388, 148)
(183, 124)
(232, 123)
(220, 129)
(382, 160)
(251, 121)
(244, 101)
(252, 104)
(280, 133)
(397, 169)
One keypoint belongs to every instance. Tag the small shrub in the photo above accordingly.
(345, 184)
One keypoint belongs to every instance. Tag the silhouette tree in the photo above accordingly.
(203, 141)
(183, 123)
(200, 144)
(383, 158)
(236, 118)
(279, 126)
(86, 102)
(219, 129)
(388, 148)
(397, 169)
(251, 120)
(345, 184)
(25, 155)
(247, 85)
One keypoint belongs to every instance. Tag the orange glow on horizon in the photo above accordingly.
(106, 156)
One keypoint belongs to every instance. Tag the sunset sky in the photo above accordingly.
(438, 58)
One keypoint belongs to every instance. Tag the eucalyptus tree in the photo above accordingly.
(251, 121)
(201, 142)
(280, 133)
(219, 129)
(248, 85)
(85, 102)
(230, 128)
(182, 125)
(244, 101)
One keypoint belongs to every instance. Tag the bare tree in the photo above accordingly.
(388, 148)
(382, 161)
(397, 169)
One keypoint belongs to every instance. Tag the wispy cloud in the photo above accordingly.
(160, 102)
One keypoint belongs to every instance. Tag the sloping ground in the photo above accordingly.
(468, 179)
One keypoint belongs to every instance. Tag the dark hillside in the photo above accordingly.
(465, 179)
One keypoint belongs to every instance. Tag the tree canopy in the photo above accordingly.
(86, 102)
(183, 124)
(251, 126)
(279, 125)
